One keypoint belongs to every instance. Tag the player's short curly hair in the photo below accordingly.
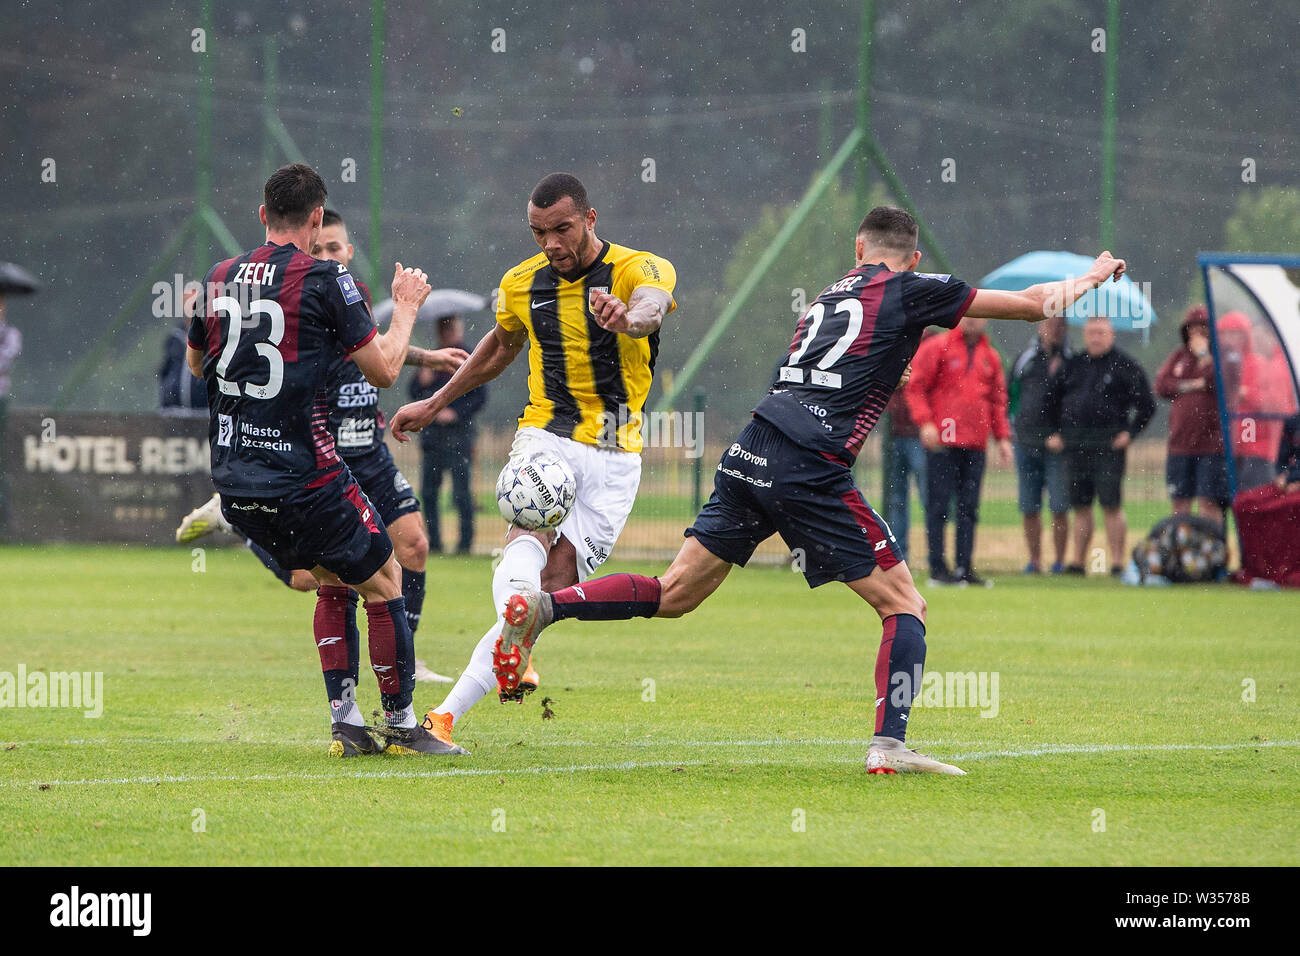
(555, 187)
(888, 227)
(291, 194)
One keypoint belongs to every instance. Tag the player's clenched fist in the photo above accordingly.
(609, 311)
(410, 286)
(412, 417)
(445, 360)
(1107, 266)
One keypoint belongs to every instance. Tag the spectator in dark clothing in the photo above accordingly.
(1097, 406)
(1288, 457)
(11, 346)
(1037, 468)
(958, 398)
(1196, 467)
(906, 457)
(179, 392)
(448, 444)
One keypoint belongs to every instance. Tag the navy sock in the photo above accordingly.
(272, 565)
(616, 597)
(899, 665)
(392, 652)
(352, 636)
(413, 592)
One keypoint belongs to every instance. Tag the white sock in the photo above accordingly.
(346, 712)
(477, 680)
(401, 718)
(522, 560)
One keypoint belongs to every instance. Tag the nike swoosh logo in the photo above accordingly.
(538, 305)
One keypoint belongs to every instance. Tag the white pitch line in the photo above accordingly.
(314, 741)
(1045, 750)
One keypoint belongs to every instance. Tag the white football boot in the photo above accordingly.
(887, 755)
(204, 519)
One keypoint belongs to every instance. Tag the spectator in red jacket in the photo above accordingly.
(1195, 467)
(957, 397)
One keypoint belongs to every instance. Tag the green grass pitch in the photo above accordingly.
(1121, 735)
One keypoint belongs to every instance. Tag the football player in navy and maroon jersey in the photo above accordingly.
(356, 424)
(268, 326)
(789, 471)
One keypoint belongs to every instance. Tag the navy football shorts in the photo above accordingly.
(384, 485)
(765, 484)
(334, 526)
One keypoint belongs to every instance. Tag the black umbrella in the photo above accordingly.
(15, 280)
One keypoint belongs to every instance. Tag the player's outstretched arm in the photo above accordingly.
(381, 359)
(440, 360)
(490, 358)
(1047, 298)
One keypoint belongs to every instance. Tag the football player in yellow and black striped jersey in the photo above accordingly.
(586, 381)
(590, 312)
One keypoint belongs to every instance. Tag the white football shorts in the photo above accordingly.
(607, 483)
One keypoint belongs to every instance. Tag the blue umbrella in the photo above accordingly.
(1123, 301)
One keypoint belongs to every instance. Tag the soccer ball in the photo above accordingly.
(537, 492)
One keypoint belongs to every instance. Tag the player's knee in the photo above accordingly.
(677, 596)
(904, 598)
(413, 551)
(559, 577)
(390, 579)
(303, 581)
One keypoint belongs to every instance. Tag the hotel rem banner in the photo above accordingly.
(102, 477)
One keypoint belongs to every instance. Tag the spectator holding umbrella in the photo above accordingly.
(1097, 406)
(1195, 468)
(958, 398)
(14, 280)
(448, 444)
(1038, 468)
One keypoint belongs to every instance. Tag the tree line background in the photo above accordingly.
(736, 122)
